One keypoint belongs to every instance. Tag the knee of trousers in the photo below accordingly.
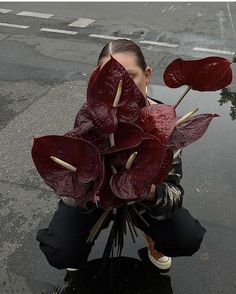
(191, 243)
(66, 256)
(184, 244)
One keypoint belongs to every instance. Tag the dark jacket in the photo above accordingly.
(169, 194)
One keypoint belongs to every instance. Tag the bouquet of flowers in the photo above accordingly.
(120, 146)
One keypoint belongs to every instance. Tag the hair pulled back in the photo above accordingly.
(123, 46)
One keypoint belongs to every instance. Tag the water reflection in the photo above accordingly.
(125, 275)
(226, 96)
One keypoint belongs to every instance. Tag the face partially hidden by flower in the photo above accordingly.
(128, 60)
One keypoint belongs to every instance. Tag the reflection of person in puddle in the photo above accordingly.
(128, 275)
(172, 232)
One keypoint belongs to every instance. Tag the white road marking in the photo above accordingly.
(5, 10)
(231, 20)
(84, 22)
(11, 25)
(159, 44)
(58, 31)
(177, 7)
(35, 14)
(107, 37)
(81, 22)
(221, 20)
(214, 51)
(172, 6)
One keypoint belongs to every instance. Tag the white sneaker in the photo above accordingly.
(71, 269)
(157, 258)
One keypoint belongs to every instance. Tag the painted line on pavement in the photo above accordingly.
(159, 44)
(107, 37)
(214, 51)
(82, 22)
(58, 31)
(5, 10)
(11, 25)
(35, 14)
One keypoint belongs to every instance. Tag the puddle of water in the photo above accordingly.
(125, 275)
(209, 182)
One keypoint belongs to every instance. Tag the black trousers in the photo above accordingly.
(64, 241)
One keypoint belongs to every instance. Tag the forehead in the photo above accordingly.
(128, 60)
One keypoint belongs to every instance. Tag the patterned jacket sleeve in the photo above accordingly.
(169, 195)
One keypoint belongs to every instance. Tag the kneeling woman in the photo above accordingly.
(173, 231)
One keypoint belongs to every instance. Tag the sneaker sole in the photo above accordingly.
(161, 265)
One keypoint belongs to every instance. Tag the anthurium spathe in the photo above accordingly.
(190, 130)
(158, 120)
(107, 199)
(135, 182)
(82, 156)
(83, 119)
(207, 74)
(165, 167)
(113, 81)
(92, 78)
(133, 137)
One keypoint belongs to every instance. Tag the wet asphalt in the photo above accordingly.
(43, 84)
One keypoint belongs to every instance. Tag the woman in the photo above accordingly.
(172, 232)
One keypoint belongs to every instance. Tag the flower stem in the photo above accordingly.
(130, 226)
(97, 227)
(182, 97)
(140, 216)
(187, 115)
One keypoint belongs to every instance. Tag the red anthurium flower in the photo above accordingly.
(133, 137)
(107, 199)
(80, 154)
(119, 159)
(102, 93)
(190, 130)
(135, 182)
(84, 128)
(93, 77)
(127, 136)
(207, 74)
(165, 167)
(83, 119)
(93, 189)
(158, 120)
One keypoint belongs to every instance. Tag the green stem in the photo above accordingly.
(140, 216)
(130, 229)
(132, 223)
(97, 227)
(182, 97)
(186, 116)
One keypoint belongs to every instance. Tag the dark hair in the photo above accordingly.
(122, 46)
